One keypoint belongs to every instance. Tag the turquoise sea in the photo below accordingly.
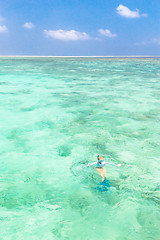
(56, 115)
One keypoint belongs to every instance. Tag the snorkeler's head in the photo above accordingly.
(100, 158)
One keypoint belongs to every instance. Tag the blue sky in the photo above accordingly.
(80, 27)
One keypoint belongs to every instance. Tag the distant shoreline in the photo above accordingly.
(19, 56)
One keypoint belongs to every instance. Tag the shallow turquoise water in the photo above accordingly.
(56, 115)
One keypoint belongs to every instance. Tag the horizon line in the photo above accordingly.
(128, 56)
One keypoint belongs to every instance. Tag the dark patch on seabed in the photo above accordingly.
(16, 197)
(31, 108)
(16, 135)
(45, 124)
(4, 83)
(144, 116)
(28, 194)
(64, 151)
(78, 202)
(61, 230)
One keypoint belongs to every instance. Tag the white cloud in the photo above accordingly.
(143, 43)
(144, 15)
(107, 33)
(28, 25)
(127, 13)
(2, 19)
(3, 29)
(156, 41)
(66, 35)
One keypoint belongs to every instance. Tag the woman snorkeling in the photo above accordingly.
(100, 166)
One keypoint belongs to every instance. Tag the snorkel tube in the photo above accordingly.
(100, 159)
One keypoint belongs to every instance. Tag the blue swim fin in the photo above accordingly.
(104, 186)
(106, 183)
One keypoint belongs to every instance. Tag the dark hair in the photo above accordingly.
(99, 160)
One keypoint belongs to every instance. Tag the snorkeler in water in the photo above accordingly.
(100, 166)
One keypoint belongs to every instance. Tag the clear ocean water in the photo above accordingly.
(56, 115)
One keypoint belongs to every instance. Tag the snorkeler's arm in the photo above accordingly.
(90, 164)
(113, 164)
